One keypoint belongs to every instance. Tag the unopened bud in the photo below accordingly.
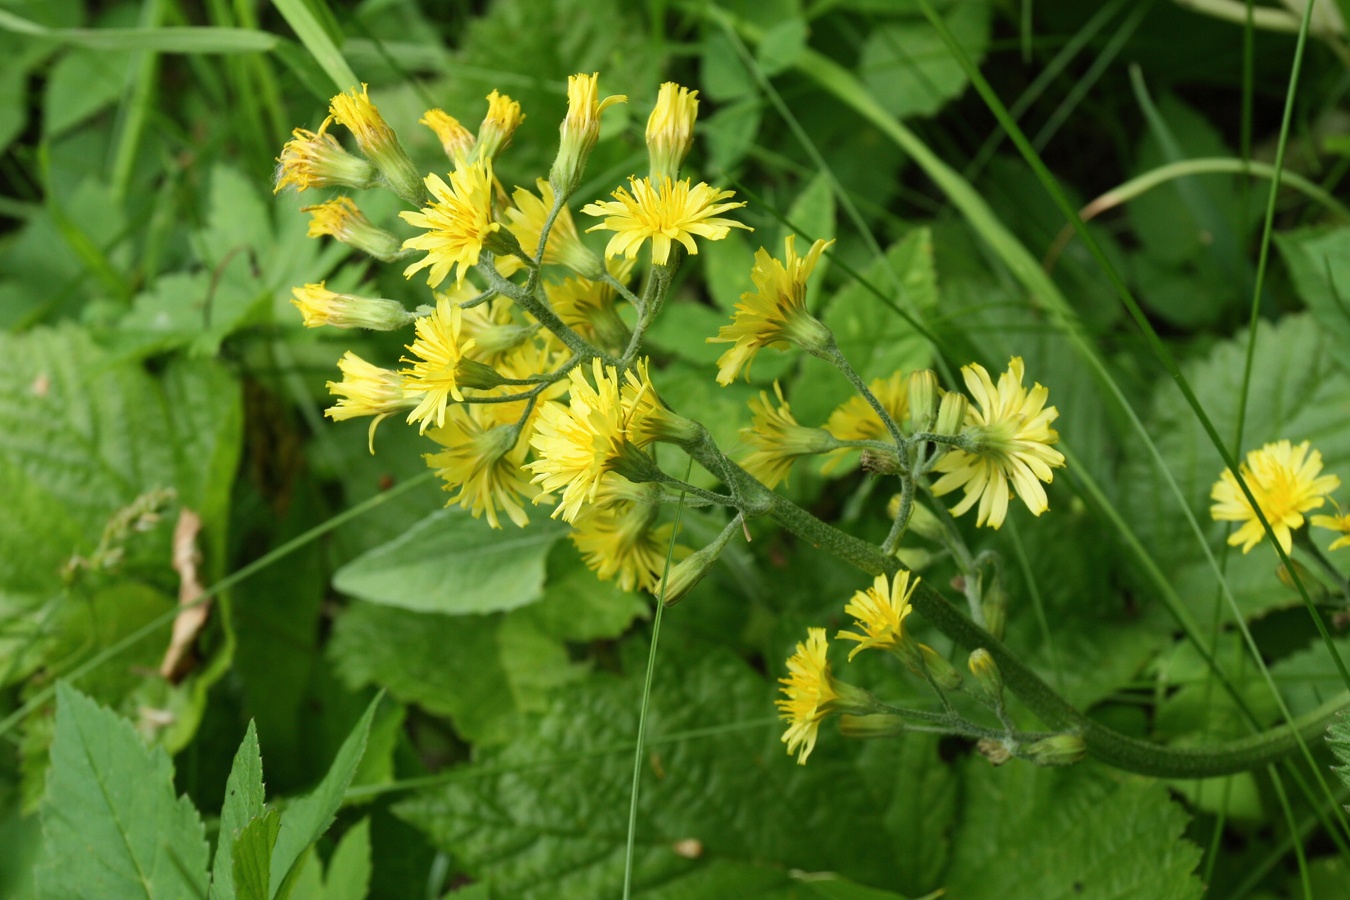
(1059, 750)
(316, 160)
(321, 306)
(923, 391)
(471, 373)
(456, 140)
(579, 131)
(987, 675)
(994, 605)
(996, 751)
(342, 220)
(879, 462)
(951, 418)
(378, 143)
(502, 119)
(670, 130)
(690, 570)
(879, 725)
(942, 672)
(1305, 576)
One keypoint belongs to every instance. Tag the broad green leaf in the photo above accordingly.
(305, 820)
(113, 827)
(82, 82)
(244, 801)
(782, 43)
(1319, 261)
(348, 876)
(451, 562)
(909, 69)
(252, 865)
(1028, 831)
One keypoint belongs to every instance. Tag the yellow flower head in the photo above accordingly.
(526, 221)
(674, 211)
(856, 420)
(646, 416)
(342, 220)
(1284, 480)
(879, 612)
(502, 119)
(316, 160)
(483, 459)
(437, 354)
(670, 129)
(620, 539)
(777, 440)
(580, 130)
(376, 140)
(320, 306)
(774, 314)
(1339, 522)
(456, 140)
(810, 694)
(1011, 436)
(578, 444)
(458, 223)
(367, 390)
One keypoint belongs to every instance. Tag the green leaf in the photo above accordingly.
(452, 563)
(348, 876)
(782, 43)
(244, 801)
(1338, 739)
(909, 69)
(252, 866)
(1078, 832)
(1319, 261)
(113, 827)
(832, 887)
(305, 820)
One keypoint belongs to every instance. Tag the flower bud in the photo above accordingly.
(1059, 750)
(579, 131)
(994, 605)
(316, 160)
(951, 418)
(690, 570)
(878, 725)
(321, 306)
(996, 751)
(921, 521)
(471, 373)
(502, 120)
(670, 130)
(942, 672)
(378, 143)
(923, 391)
(342, 220)
(987, 675)
(456, 140)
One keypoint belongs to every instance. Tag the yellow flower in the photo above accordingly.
(458, 223)
(646, 416)
(456, 140)
(320, 306)
(1339, 522)
(580, 130)
(810, 694)
(619, 538)
(502, 119)
(367, 390)
(1284, 480)
(316, 160)
(437, 351)
(342, 219)
(376, 140)
(670, 129)
(1010, 437)
(856, 420)
(526, 221)
(674, 211)
(879, 612)
(578, 444)
(774, 314)
(777, 440)
(483, 458)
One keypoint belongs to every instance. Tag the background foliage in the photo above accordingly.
(444, 710)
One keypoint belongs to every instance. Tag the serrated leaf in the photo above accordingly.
(252, 864)
(305, 820)
(1338, 739)
(451, 562)
(244, 801)
(1319, 261)
(909, 69)
(113, 826)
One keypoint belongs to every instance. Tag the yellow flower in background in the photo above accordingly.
(456, 140)
(776, 440)
(774, 314)
(1339, 522)
(458, 223)
(1009, 428)
(526, 221)
(502, 119)
(483, 458)
(856, 420)
(315, 159)
(367, 390)
(1285, 482)
(810, 693)
(670, 129)
(618, 537)
(668, 212)
(880, 612)
(437, 352)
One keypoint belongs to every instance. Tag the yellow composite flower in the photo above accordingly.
(1012, 452)
(776, 440)
(774, 314)
(664, 213)
(483, 458)
(526, 219)
(810, 693)
(880, 612)
(456, 140)
(437, 352)
(367, 390)
(458, 223)
(619, 539)
(1285, 482)
(1339, 522)
(856, 420)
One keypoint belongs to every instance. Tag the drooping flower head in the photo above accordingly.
(879, 613)
(367, 390)
(856, 420)
(1011, 438)
(313, 159)
(342, 220)
(1284, 480)
(579, 130)
(777, 440)
(502, 119)
(1339, 522)
(774, 314)
(377, 140)
(456, 140)
(483, 458)
(619, 538)
(458, 223)
(647, 418)
(437, 353)
(810, 693)
(663, 212)
(670, 130)
(526, 221)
